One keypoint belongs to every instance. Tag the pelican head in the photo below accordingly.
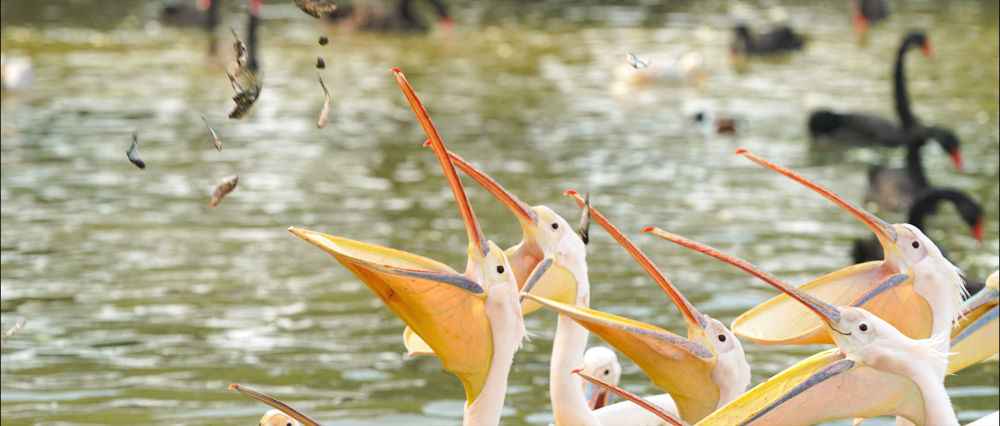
(602, 363)
(732, 371)
(273, 417)
(927, 304)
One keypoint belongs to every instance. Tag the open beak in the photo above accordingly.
(691, 314)
(681, 367)
(598, 396)
(883, 231)
(828, 313)
(520, 209)
(823, 388)
(275, 403)
(605, 388)
(477, 241)
(976, 337)
(443, 307)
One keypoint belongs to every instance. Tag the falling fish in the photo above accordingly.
(133, 152)
(636, 62)
(215, 137)
(244, 82)
(323, 40)
(316, 8)
(224, 187)
(326, 104)
(320, 63)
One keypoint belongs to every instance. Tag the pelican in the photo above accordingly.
(471, 321)
(924, 299)
(701, 372)
(876, 370)
(548, 247)
(281, 415)
(601, 363)
(650, 407)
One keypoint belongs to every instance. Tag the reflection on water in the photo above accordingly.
(143, 304)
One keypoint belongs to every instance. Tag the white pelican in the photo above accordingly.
(876, 370)
(281, 415)
(471, 321)
(701, 372)
(601, 363)
(925, 304)
(548, 247)
(977, 335)
(659, 415)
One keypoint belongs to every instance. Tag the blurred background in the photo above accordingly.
(142, 304)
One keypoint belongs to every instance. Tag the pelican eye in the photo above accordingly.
(722, 337)
(288, 424)
(606, 371)
(863, 327)
(916, 244)
(555, 225)
(499, 269)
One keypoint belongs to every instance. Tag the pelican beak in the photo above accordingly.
(679, 366)
(275, 403)
(598, 396)
(822, 388)
(691, 314)
(477, 242)
(606, 388)
(976, 337)
(883, 231)
(418, 289)
(828, 313)
(521, 210)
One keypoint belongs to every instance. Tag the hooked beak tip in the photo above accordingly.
(577, 370)
(571, 192)
(427, 143)
(648, 229)
(234, 386)
(741, 151)
(396, 70)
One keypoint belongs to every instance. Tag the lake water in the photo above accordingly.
(142, 303)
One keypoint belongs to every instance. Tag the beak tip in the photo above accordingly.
(570, 192)
(648, 229)
(396, 70)
(741, 151)
(234, 386)
(577, 370)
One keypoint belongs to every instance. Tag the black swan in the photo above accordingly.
(782, 39)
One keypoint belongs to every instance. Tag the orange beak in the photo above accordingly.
(476, 238)
(956, 159)
(690, 313)
(927, 49)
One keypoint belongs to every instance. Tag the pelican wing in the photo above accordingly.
(823, 387)
(431, 298)
(976, 337)
(676, 365)
(783, 321)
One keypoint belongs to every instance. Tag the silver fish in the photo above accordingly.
(326, 104)
(215, 137)
(133, 152)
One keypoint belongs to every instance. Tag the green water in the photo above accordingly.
(142, 303)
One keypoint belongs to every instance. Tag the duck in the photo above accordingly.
(865, 129)
(781, 39)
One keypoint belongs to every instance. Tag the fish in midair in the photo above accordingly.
(320, 63)
(316, 8)
(216, 142)
(244, 81)
(223, 188)
(326, 104)
(133, 152)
